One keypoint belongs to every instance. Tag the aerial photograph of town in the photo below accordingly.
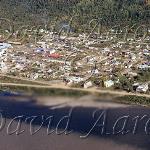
(74, 74)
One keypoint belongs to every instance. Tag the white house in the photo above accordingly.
(143, 88)
(108, 83)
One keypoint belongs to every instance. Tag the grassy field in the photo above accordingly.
(44, 91)
(134, 100)
(7, 79)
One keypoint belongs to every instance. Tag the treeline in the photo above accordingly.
(110, 12)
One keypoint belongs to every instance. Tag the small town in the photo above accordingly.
(74, 74)
(82, 61)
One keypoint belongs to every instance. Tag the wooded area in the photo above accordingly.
(109, 12)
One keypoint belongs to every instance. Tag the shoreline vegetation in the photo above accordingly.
(39, 90)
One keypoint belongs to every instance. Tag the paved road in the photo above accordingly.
(86, 118)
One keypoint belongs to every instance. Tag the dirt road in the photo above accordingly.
(62, 86)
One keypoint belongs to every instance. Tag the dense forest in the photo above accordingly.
(110, 12)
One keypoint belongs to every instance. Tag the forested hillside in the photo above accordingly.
(109, 11)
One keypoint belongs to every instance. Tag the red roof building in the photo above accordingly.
(54, 55)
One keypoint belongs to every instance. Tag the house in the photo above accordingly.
(88, 84)
(143, 88)
(143, 67)
(132, 74)
(39, 50)
(146, 52)
(108, 83)
(4, 46)
(75, 79)
(54, 55)
(3, 67)
(2, 51)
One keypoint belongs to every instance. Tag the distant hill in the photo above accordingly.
(109, 10)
